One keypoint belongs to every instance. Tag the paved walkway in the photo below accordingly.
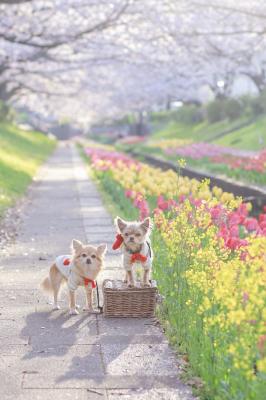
(48, 354)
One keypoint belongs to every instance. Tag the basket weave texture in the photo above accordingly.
(121, 301)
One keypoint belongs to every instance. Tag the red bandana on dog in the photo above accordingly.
(138, 257)
(86, 280)
(135, 257)
(118, 241)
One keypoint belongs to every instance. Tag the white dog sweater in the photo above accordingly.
(65, 266)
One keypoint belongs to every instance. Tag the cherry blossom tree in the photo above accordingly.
(89, 59)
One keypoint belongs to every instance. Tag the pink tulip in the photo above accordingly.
(245, 297)
(129, 193)
(251, 224)
(234, 231)
(216, 212)
(162, 203)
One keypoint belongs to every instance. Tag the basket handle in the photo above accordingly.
(100, 308)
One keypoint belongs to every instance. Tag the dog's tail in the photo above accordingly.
(46, 284)
(53, 281)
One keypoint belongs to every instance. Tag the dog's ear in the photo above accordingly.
(121, 225)
(146, 225)
(76, 245)
(101, 249)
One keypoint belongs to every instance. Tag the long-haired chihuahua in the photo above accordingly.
(78, 269)
(133, 237)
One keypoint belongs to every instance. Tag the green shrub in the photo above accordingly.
(189, 114)
(258, 104)
(215, 111)
(163, 116)
(101, 138)
(233, 109)
(4, 111)
(221, 109)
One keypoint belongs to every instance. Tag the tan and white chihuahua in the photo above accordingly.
(78, 269)
(133, 237)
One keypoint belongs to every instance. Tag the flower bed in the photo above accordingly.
(201, 150)
(131, 140)
(234, 163)
(145, 180)
(210, 266)
(236, 159)
(256, 163)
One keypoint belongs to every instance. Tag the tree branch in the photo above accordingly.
(61, 40)
(239, 10)
(10, 2)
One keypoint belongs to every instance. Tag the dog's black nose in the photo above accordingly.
(88, 261)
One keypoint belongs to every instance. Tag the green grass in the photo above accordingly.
(201, 132)
(21, 152)
(223, 170)
(251, 137)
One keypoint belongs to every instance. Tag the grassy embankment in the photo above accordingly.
(202, 131)
(250, 137)
(21, 152)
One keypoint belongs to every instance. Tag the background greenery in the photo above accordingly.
(21, 152)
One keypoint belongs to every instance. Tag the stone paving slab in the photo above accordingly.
(61, 366)
(143, 394)
(106, 230)
(101, 237)
(25, 282)
(102, 221)
(48, 354)
(39, 328)
(62, 329)
(139, 359)
(13, 340)
(10, 384)
(31, 381)
(62, 394)
(123, 326)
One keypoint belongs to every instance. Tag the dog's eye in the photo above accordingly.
(126, 234)
(93, 256)
(83, 255)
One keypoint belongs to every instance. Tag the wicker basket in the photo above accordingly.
(121, 301)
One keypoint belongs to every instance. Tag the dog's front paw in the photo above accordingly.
(56, 307)
(131, 284)
(73, 311)
(146, 284)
